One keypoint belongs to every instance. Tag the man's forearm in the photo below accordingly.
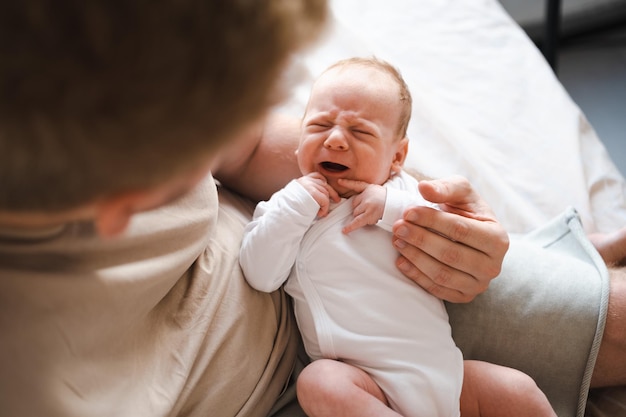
(265, 165)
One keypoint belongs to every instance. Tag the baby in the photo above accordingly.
(380, 344)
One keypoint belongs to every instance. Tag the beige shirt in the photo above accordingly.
(158, 322)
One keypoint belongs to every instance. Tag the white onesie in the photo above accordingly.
(350, 300)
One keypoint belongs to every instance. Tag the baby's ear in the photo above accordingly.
(402, 150)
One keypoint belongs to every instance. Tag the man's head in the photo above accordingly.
(355, 123)
(102, 97)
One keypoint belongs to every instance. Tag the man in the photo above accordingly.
(109, 109)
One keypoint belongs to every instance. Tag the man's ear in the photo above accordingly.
(402, 150)
(113, 213)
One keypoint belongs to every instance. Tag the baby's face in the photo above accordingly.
(350, 129)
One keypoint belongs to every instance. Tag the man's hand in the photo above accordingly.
(453, 253)
(317, 186)
(368, 205)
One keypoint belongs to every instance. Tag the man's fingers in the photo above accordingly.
(449, 285)
(446, 190)
(479, 235)
(455, 252)
(443, 257)
(456, 195)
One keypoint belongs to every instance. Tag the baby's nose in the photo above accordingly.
(336, 140)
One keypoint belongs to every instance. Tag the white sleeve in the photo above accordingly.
(272, 239)
(402, 193)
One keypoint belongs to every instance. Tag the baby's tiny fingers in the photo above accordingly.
(333, 195)
(356, 223)
(354, 185)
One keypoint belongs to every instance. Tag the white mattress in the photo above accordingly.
(486, 106)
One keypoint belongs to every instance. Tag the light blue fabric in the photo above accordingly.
(544, 315)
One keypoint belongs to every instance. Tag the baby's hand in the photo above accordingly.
(368, 206)
(317, 186)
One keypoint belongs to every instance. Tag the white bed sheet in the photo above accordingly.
(486, 106)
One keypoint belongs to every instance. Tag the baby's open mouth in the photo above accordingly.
(333, 167)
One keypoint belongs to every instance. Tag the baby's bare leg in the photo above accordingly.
(331, 388)
(610, 369)
(493, 391)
